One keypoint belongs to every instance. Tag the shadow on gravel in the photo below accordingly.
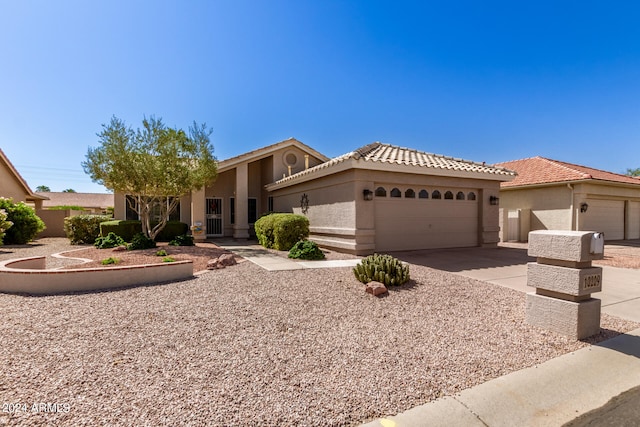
(456, 260)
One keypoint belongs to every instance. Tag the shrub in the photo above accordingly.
(110, 260)
(161, 252)
(281, 231)
(306, 249)
(182, 240)
(124, 229)
(128, 229)
(382, 268)
(171, 231)
(82, 229)
(264, 230)
(4, 224)
(140, 241)
(26, 224)
(66, 208)
(112, 240)
(168, 259)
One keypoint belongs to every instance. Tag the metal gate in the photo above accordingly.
(214, 217)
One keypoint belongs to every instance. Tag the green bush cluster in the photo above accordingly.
(83, 229)
(124, 229)
(26, 224)
(4, 224)
(111, 240)
(128, 229)
(140, 241)
(171, 231)
(281, 230)
(382, 268)
(306, 249)
(110, 260)
(182, 240)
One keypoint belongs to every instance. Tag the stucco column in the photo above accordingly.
(241, 226)
(198, 221)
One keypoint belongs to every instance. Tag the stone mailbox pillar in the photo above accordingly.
(564, 280)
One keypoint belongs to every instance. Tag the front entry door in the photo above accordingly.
(214, 217)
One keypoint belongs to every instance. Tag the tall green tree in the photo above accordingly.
(42, 188)
(155, 165)
(633, 172)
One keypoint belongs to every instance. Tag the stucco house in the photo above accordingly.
(12, 185)
(550, 194)
(92, 203)
(376, 198)
(230, 206)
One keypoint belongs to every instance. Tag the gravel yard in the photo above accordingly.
(243, 346)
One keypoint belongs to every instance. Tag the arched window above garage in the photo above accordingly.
(436, 195)
(381, 192)
(410, 194)
(460, 195)
(471, 196)
(448, 195)
(396, 193)
(423, 194)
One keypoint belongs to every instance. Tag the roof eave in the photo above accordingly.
(260, 153)
(384, 167)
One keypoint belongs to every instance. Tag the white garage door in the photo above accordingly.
(407, 224)
(606, 216)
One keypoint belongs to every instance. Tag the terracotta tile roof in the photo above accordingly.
(540, 170)
(380, 153)
(86, 200)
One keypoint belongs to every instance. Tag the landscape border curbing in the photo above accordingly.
(29, 276)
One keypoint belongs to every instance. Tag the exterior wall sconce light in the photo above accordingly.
(367, 194)
(493, 200)
(583, 207)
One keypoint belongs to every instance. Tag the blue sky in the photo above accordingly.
(486, 81)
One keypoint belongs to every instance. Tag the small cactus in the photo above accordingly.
(381, 268)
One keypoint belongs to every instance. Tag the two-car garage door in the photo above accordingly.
(608, 216)
(414, 223)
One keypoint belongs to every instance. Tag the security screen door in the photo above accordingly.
(214, 216)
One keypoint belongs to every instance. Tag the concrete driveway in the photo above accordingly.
(507, 266)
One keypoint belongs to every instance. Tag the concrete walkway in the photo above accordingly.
(272, 262)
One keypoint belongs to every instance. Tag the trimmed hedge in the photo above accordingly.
(128, 229)
(124, 229)
(281, 230)
(84, 229)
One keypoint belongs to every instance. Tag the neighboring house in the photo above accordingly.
(12, 185)
(376, 198)
(549, 194)
(91, 203)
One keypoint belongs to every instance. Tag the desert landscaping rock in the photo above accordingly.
(224, 260)
(376, 288)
